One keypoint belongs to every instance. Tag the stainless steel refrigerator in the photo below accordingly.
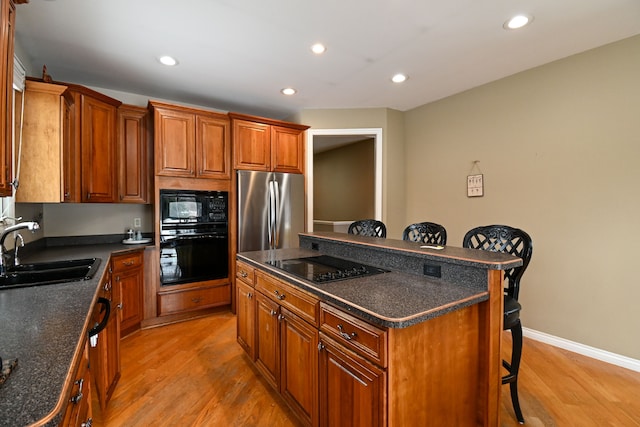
(270, 210)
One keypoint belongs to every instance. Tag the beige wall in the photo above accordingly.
(343, 180)
(559, 147)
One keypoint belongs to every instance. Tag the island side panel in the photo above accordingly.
(434, 376)
(490, 359)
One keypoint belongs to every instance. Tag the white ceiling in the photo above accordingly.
(236, 55)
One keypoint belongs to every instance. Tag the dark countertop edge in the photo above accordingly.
(61, 248)
(453, 254)
(354, 308)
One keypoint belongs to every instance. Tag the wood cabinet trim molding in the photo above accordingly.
(268, 121)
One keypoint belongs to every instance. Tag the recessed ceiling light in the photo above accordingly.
(399, 78)
(318, 48)
(168, 60)
(517, 21)
(288, 91)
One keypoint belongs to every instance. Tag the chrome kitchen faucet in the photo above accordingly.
(30, 225)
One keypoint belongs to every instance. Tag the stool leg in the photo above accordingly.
(516, 334)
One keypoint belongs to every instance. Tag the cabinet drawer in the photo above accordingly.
(193, 299)
(245, 273)
(126, 261)
(301, 303)
(358, 335)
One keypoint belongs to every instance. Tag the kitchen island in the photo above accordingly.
(45, 328)
(417, 345)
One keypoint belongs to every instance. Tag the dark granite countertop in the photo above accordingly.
(396, 299)
(44, 327)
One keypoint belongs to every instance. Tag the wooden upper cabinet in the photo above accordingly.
(287, 149)
(267, 145)
(251, 145)
(98, 148)
(7, 30)
(134, 174)
(190, 143)
(174, 142)
(212, 147)
(47, 130)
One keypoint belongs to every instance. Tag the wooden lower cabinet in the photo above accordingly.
(192, 299)
(352, 390)
(78, 412)
(246, 312)
(105, 356)
(299, 366)
(268, 339)
(128, 276)
(286, 344)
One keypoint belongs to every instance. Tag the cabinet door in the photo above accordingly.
(175, 142)
(267, 339)
(79, 411)
(299, 366)
(130, 283)
(98, 151)
(351, 389)
(251, 145)
(105, 357)
(287, 150)
(246, 312)
(133, 160)
(212, 147)
(7, 29)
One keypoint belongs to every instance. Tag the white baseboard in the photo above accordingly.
(585, 350)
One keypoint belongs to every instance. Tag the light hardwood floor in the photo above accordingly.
(194, 374)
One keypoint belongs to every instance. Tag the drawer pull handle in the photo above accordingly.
(196, 300)
(243, 274)
(345, 335)
(78, 397)
(89, 423)
(128, 263)
(279, 295)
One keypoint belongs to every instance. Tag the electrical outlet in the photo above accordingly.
(136, 222)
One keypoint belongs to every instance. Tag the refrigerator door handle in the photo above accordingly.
(271, 212)
(276, 216)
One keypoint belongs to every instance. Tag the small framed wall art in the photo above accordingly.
(475, 185)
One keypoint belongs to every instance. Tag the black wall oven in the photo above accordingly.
(194, 236)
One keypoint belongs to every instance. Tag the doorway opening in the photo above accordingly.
(321, 140)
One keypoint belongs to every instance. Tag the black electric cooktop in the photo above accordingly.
(325, 268)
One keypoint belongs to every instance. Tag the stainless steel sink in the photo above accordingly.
(44, 273)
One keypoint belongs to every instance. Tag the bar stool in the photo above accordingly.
(425, 232)
(368, 227)
(502, 238)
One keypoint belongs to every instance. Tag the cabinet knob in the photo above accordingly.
(281, 317)
(87, 423)
(279, 295)
(243, 274)
(273, 312)
(119, 306)
(320, 346)
(249, 295)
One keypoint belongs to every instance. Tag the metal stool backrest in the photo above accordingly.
(368, 227)
(425, 232)
(505, 239)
